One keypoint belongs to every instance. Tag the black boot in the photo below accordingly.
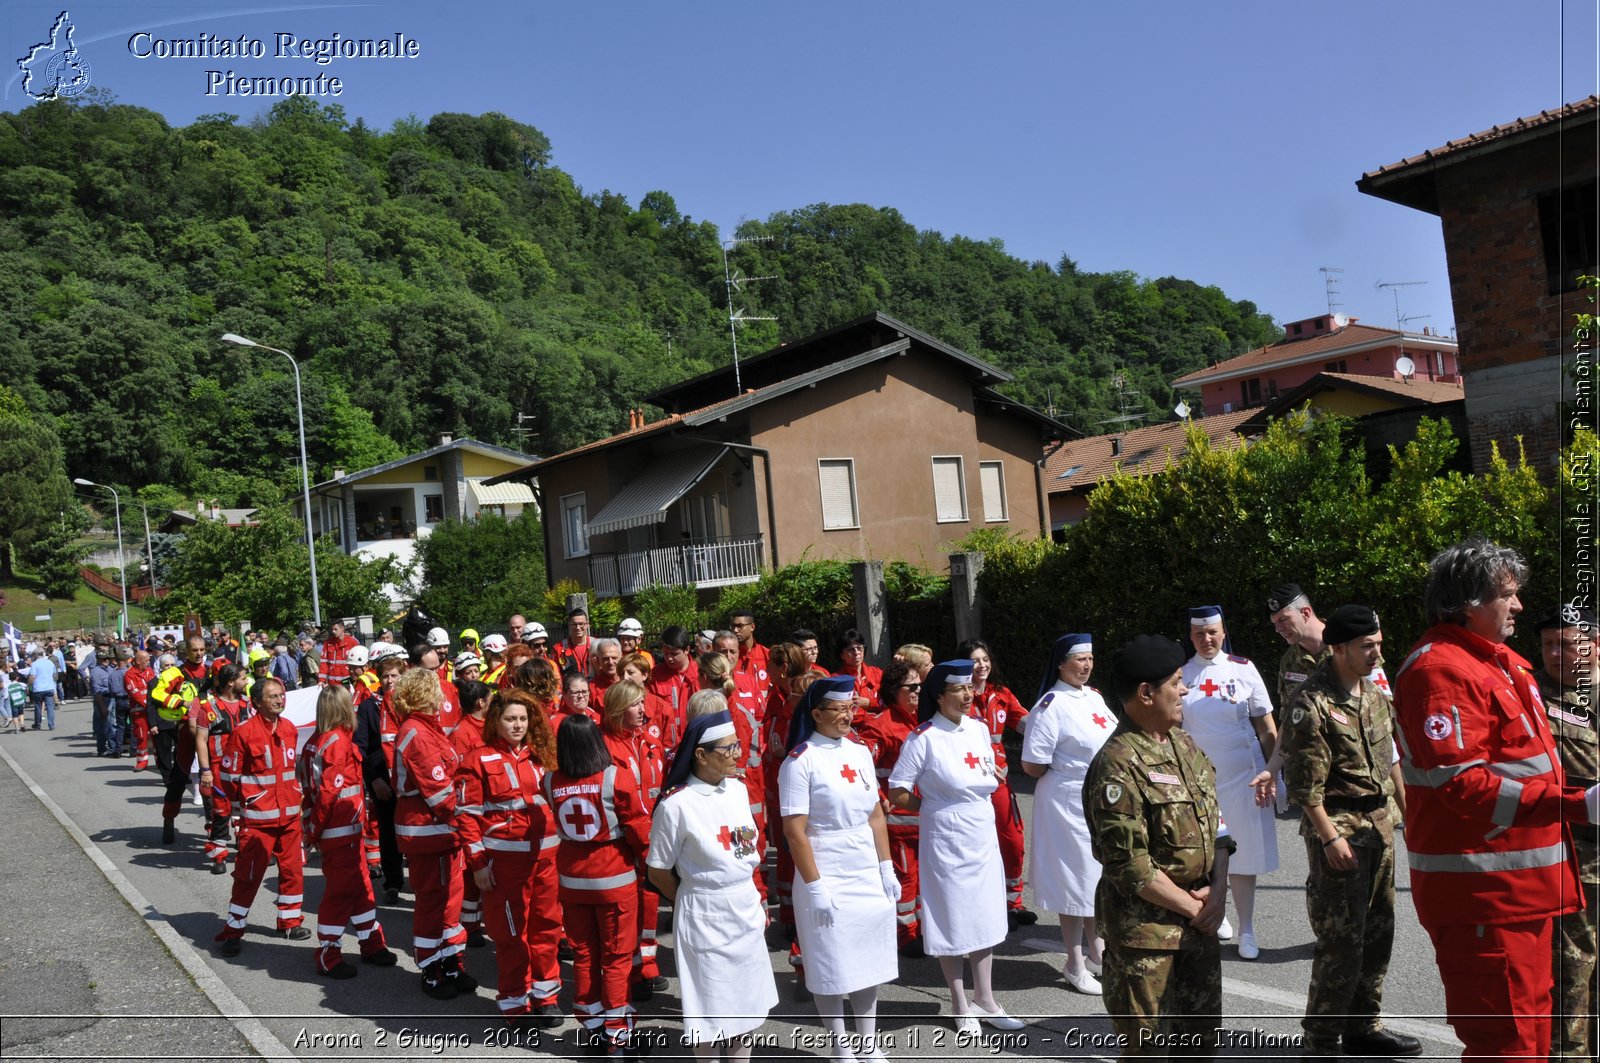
(435, 984)
(456, 972)
(169, 832)
(1381, 1042)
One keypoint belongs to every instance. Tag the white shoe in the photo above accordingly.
(968, 1024)
(1094, 968)
(996, 1018)
(1083, 982)
(1225, 931)
(1247, 946)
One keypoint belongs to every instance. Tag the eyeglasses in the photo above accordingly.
(910, 686)
(837, 706)
(730, 749)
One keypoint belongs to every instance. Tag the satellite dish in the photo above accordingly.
(1182, 410)
(1405, 367)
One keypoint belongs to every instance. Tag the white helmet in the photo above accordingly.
(438, 637)
(357, 657)
(468, 660)
(383, 650)
(494, 643)
(534, 630)
(631, 627)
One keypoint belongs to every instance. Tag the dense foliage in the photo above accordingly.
(35, 494)
(481, 571)
(446, 276)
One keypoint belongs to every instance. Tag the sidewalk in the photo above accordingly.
(82, 976)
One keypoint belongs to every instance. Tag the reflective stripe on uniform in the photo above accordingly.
(1505, 803)
(575, 882)
(1510, 860)
(341, 832)
(503, 845)
(423, 831)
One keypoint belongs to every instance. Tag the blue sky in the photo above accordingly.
(1217, 142)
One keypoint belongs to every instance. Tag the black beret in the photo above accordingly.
(1283, 596)
(1568, 615)
(1147, 659)
(1349, 622)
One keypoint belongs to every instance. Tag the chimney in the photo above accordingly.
(445, 437)
(1116, 446)
(338, 474)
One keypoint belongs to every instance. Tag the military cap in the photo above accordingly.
(1285, 596)
(1567, 615)
(1349, 622)
(1146, 659)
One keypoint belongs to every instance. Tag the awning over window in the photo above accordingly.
(512, 493)
(646, 498)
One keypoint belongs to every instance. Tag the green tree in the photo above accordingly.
(34, 490)
(476, 573)
(57, 552)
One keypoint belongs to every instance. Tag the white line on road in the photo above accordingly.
(232, 1008)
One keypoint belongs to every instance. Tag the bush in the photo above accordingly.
(604, 613)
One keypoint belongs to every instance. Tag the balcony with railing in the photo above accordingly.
(692, 563)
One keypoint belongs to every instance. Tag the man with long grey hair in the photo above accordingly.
(1486, 805)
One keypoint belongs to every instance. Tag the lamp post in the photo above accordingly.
(305, 467)
(122, 568)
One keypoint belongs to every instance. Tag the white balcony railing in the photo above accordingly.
(694, 563)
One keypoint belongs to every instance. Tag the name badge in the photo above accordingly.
(1295, 677)
(1581, 721)
(1339, 716)
(1163, 777)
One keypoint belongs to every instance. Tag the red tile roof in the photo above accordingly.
(1494, 133)
(1417, 389)
(1082, 463)
(1325, 345)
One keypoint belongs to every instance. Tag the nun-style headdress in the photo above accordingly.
(1066, 646)
(701, 729)
(1201, 615)
(947, 674)
(832, 688)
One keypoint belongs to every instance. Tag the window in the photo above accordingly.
(1567, 221)
(949, 490)
(1272, 389)
(1249, 391)
(992, 479)
(575, 525)
(1341, 366)
(706, 516)
(430, 472)
(838, 479)
(433, 507)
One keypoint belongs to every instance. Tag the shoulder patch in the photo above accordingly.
(797, 750)
(1049, 696)
(1236, 659)
(923, 726)
(670, 791)
(856, 738)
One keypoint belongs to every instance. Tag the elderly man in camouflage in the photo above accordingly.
(1337, 744)
(1567, 683)
(1155, 826)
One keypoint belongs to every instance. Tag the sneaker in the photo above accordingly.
(436, 985)
(231, 946)
(219, 867)
(341, 972)
(295, 933)
(641, 991)
(1017, 917)
(1247, 945)
(1225, 931)
(459, 977)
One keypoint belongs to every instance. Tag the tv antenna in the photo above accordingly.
(735, 280)
(1394, 290)
(1330, 285)
(521, 418)
(1119, 381)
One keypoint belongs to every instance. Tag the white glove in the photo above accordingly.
(891, 882)
(822, 905)
(1591, 797)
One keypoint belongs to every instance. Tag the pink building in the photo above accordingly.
(1327, 343)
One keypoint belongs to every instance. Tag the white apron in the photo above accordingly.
(1225, 694)
(1065, 730)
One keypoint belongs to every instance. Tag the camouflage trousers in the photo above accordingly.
(1352, 916)
(1575, 981)
(1165, 1002)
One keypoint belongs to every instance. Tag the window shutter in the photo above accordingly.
(991, 475)
(838, 493)
(949, 495)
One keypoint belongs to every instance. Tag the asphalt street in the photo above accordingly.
(107, 951)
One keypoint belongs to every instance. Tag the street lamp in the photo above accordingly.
(116, 502)
(305, 467)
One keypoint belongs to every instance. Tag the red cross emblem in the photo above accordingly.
(580, 819)
(972, 761)
(725, 836)
(1209, 688)
(1382, 683)
(1099, 719)
(848, 774)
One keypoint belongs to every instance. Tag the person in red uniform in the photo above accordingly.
(852, 651)
(753, 665)
(213, 720)
(636, 668)
(572, 652)
(425, 807)
(1000, 711)
(335, 664)
(575, 701)
(749, 692)
(468, 736)
(175, 691)
(630, 636)
(258, 770)
(510, 840)
(1487, 808)
(674, 680)
(606, 657)
(630, 745)
(335, 814)
(139, 678)
(604, 836)
(884, 733)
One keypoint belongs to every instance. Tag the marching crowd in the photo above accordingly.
(549, 799)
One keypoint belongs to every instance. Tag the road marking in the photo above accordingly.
(224, 999)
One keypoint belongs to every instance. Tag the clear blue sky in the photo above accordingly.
(1218, 142)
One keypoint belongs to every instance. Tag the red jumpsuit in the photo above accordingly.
(335, 663)
(605, 833)
(335, 816)
(999, 709)
(258, 770)
(641, 754)
(468, 736)
(674, 689)
(219, 717)
(885, 734)
(138, 681)
(506, 825)
(867, 683)
(425, 806)
(775, 735)
(1487, 823)
(754, 669)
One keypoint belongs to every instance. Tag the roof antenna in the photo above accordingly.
(1330, 285)
(734, 280)
(1399, 321)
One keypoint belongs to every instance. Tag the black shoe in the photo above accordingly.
(656, 984)
(549, 1017)
(436, 985)
(459, 977)
(913, 949)
(295, 933)
(564, 950)
(219, 867)
(381, 958)
(231, 946)
(476, 938)
(341, 972)
(1385, 1043)
(391, 897)
(1016, 917)
(169, 832)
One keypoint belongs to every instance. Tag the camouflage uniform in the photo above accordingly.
(1152, 806)
(1336, 753)
(1294, 668)
(1572, 715)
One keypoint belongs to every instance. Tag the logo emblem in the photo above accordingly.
(1298, 714)
(54, 69)
(438, 773)
(1570, 615)
(580, 819)
(1437, 726)
(1113, 793)
(338, 782)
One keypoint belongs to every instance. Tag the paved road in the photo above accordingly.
(86, 973)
